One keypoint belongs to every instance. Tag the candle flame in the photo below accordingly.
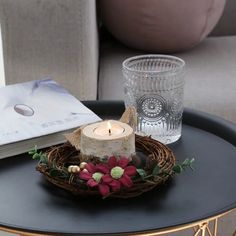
(109, 127)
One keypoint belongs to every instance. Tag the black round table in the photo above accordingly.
(29, 204)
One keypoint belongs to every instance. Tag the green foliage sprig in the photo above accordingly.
(187, 163)
(40, 156)
(178, 168)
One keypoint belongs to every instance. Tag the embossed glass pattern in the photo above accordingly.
(154, 85)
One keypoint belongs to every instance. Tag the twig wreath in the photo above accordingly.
(118, 177)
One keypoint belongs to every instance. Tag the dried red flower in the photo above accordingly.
(120, 173)
(93, 175)
(109, 176)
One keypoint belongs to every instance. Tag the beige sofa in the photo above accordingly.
(211, 70)
(60, 39)
(65, 40)
(53, 38)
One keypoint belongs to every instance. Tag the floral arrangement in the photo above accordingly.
(108, 177)
(117, 177)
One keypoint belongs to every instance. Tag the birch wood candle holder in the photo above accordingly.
(107, 138)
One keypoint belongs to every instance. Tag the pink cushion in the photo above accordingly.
(161, 25)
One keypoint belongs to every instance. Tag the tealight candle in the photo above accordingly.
(108, 129)
(107, 138)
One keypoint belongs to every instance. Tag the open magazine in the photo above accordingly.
(38, 113)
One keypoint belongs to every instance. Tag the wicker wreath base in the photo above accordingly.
(156, 154)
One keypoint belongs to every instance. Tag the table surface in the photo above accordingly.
(28, 202)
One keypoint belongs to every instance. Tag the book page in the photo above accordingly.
(37, 108)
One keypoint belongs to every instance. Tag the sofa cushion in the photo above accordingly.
(163, 25)
(210, 76)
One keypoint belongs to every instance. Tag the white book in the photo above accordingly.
(38, 113)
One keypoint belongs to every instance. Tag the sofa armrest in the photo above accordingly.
(53, 38)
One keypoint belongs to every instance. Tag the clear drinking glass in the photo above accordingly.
(154, 85)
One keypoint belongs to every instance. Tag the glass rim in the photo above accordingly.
(146, 56)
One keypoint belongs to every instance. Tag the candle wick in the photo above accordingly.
(109, 130)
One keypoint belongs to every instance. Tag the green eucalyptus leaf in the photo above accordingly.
(156, 170)
(191, 164)
(31, 152)
(142, 173)
(191, 167)
(36, 156)
(64, 175)
(186, 162)
(34, 150)
(43, 158)
(60, 173)
(55, 173)
(177, 169)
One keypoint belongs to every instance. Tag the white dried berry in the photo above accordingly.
(82, 165)
(75, 169)
(70, 169)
